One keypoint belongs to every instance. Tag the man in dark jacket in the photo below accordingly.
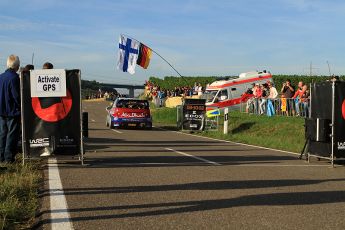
(9, 110)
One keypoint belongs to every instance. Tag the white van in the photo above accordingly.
(227, 93)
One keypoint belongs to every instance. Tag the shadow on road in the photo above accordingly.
(135, 161)
(209, 185)
(94, 143)
(168, 208)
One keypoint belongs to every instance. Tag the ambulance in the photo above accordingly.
(226, 93)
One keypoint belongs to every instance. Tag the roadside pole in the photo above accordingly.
(226, 120)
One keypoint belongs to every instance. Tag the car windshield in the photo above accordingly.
(209, 95)
(133, 104)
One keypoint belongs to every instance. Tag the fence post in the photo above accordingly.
(226, 119)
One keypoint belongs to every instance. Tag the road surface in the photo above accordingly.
(140, 179)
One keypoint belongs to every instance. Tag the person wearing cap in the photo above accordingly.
(9, 110)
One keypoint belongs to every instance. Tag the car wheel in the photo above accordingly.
(111, 126)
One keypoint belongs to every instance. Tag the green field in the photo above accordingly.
(18, 195)
(284, 133)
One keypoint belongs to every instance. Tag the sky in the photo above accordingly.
(199, 38)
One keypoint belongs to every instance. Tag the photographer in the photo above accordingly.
(288, 92)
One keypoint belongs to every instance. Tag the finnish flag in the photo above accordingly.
(128, 54)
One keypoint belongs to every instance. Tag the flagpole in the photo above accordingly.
(159, 56)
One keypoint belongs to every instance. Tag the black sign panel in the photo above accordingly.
(339, 119)
(52, 125)
(193, 114)
(321, 109)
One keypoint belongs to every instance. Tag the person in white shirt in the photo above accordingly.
(199, 90)
(273, 91)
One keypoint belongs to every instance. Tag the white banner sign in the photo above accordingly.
(48, 83)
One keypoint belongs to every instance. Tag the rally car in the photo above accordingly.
(129, 112)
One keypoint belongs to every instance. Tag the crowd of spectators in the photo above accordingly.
(265, 97)
(159, 94)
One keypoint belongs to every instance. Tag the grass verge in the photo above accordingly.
(284, 133)
(18, 195)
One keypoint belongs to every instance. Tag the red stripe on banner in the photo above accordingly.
(227, 103)
(55, 112)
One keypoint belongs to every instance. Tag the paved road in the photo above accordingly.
(137, 179)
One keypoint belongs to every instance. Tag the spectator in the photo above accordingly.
(300, 96)
(251, 99)
(161, 96)
(106, 95)
(200, 89)
(257, 96)
(273, 94)
(154, 97)
(335, 78)
(9, 110)
(288, 92)
(27, 68)
(195, 89)
(48, 65)
(264, 96)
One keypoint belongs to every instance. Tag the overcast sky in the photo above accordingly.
(224, 37)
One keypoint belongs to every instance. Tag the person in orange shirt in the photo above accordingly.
(300, 96)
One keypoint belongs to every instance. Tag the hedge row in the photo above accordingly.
(280, 79)
(172, 82)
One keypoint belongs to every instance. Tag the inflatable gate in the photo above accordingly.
(51, 125)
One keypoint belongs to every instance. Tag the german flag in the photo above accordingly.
(144, 56)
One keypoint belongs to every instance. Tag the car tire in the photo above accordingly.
(111, 126)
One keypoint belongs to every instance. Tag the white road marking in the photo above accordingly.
(116, 131)
(93, 120)
(61, 219)
(195, 157)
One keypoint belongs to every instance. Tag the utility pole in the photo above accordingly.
(32, 59)
(310, 69)
(329, 69)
